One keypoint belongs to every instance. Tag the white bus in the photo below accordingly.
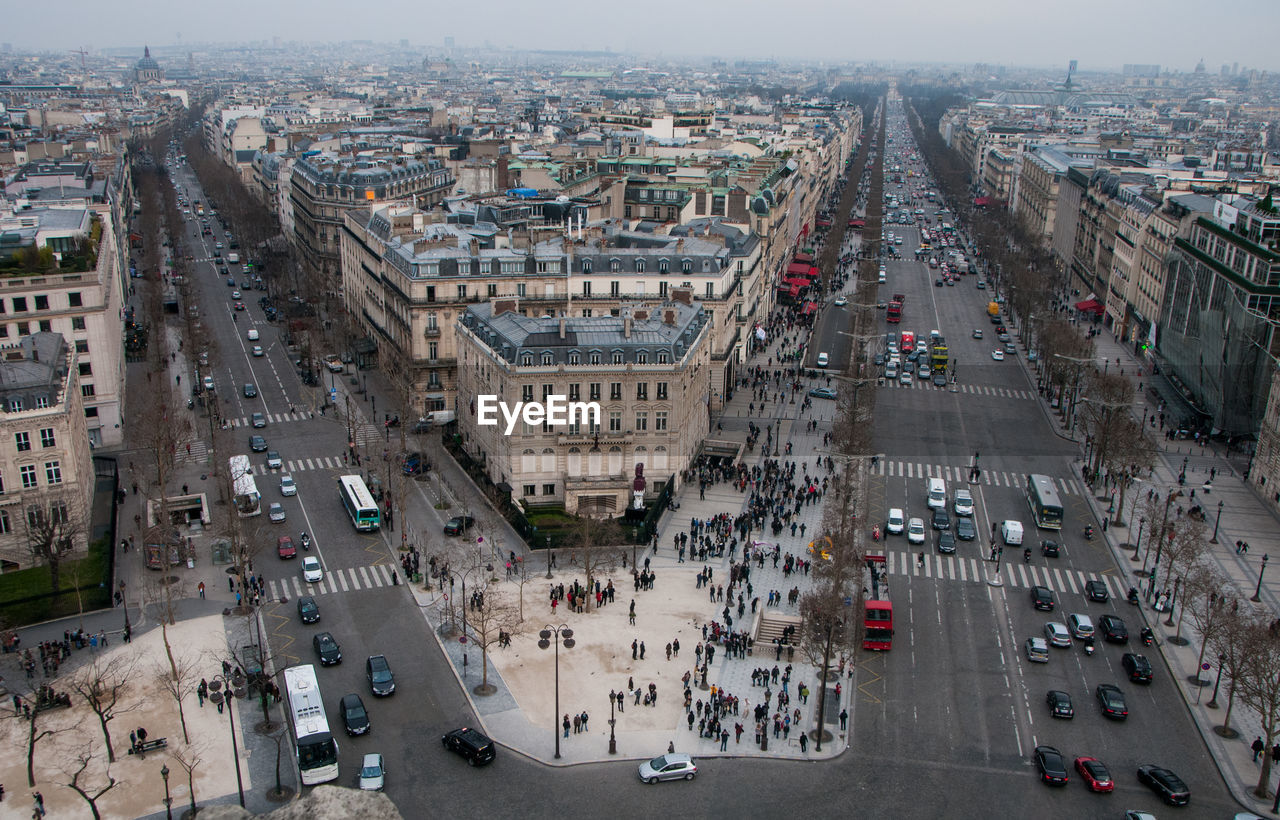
(1046, 506)
(247, 500)
(317, 748)
(359, 503)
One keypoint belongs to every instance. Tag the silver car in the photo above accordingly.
(671, 766)
(276, 513)
(373, 775)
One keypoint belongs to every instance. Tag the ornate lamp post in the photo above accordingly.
(1137, 543)
(1257, 592)
(613, 719)
(563, 634)
(1216, 522)
(168, 801)
(235, 688)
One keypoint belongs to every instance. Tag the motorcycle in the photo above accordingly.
(1026, 556)
(1132, 597)
(1088, 533)
(306, 541)
(1088, 646)
(1148, 637)
(393, 421)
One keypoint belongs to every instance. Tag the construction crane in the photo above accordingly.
(83, 54)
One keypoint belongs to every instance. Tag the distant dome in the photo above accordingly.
(147, 61)
(147, 69)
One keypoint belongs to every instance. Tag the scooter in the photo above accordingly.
(1088, 533)
(306, 541)
(1026, 556)
(1132, 597)
(1088, 646)
(1148, 637)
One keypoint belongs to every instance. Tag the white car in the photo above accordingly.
(257, 351)
(841, 301)
(276, 512)
(964, 503)
(252, 335)
(1057, 634)
(208, 382)
(373, 775)
(895, 522)
(287, 487)
(915, 531)
(311, 570)
(823, 359)
(997, 355)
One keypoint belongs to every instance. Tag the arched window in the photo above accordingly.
(574, 462)
(586, 266)
(595, 462)
(548, 460)
(659, 457)
(528, 461)
(548, 358)
(641, 455)
(526, 360)
(615, 460)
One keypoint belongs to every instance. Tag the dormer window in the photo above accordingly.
(617, 357)
(662, 357)
(595, 357)
(526, 360)
(586, 266)
(547, 359)
(615, 265)
(575, 358)
(639, 266)
(686, 265)
(663, 266)
(642, 357)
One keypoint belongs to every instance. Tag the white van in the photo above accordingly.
(233, 257)
(896, 521)
(882, 278)
(1011, 531)
(937, 494)
(822, 360)
(252, 335)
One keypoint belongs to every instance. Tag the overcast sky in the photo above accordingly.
(1101, 34)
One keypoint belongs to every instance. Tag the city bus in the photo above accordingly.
(247, 500)
(317, 748)
(1046, 507)
(359, 503)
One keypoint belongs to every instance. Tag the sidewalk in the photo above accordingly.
(1243, 517)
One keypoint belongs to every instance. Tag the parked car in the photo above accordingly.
(381, 681)
(1167, 785)
(823, 393)
(459, 524)
(670, 766)
(354, 716)
(373, 775)
(308, 610)
(327, 649)
(473, 746)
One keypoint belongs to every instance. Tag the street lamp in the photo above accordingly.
(563, 635)
(613, 740)
(1216, 522)
(1137, 543)
(1257, 593)
(235, 687)
(168, 801)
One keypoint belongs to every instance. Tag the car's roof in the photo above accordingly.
(372, 758)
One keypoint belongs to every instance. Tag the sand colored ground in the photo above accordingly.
(140, 789)
(601, 659)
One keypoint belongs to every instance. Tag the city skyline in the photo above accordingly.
(996, 32)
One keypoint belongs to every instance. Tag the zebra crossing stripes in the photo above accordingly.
(1014, 573)
(972, 389)
(302, 465)
(349, 579)
(272, 418)
(192, 452)
(960, 473)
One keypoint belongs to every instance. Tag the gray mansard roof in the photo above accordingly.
(510, 335)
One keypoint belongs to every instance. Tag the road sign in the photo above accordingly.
(1206, 666)
(479, 539)
(462, 639)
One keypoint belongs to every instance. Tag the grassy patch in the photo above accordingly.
(550, 518)
(89, 571)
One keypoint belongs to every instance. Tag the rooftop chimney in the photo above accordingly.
(682, 295)
(669, 317)
(501, 306)
(563, 324)
(626, 327)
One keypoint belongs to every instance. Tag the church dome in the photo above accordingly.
(147, 63)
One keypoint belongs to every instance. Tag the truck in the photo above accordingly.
(894, 311)
(993, 308)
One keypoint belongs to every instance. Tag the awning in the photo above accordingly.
(434, 396)
(797, 282)
(815, 273)
(1090, 306)
(806, 258)
(809, 307)
(982, 201)
(798, 269)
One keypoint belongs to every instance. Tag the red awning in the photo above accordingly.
(1090, 306)
(982, 201)
(809, 307)
(795, 291)
(814, 273)
(797, 282)
(806, 258)
(797, 269)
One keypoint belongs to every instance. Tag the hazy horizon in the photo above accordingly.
(1101, 35)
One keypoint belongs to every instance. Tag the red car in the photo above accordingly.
(285, 547)
(1095, 774)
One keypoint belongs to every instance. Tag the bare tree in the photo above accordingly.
(1232, 644)
(596, 550)
(175, 676)
(1184, 549)
(488, 623)
(34, 733)
(164, 426)
(1259, 685)
(102, 684)
(1107, 406)
(188, 757)
(85, 759)
(280, 734)
(1204, 600)
(53, 526)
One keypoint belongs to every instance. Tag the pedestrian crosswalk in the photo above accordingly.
(972, 389)
(1014, 573)
(272, 418)
(960, 474)
(299, 465)
(335, 580)
(194, 451)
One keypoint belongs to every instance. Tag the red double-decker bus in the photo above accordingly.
(877, 626)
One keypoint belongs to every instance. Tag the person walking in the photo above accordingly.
(201, 589)
(566, 724)
(804, 743)
(1257, 747)
(202, 691)
(642, 650)
(635, 649)
(844, 719)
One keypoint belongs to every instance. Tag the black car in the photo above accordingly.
(459, 524)
(354, 715)
(327, 648)
(1113, 629)
(475, 747)
(1042, 598)
(381, 681)
(941, 520)
(1097, 591)
(307, 609)
(1137, 666)
(940, 379)
(1166, 784)
(1060, 704)
(965, 530)
(1052, 766)
(946, 542)
(1111, 699)
(1050, 549)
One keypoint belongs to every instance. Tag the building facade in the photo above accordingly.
(648, 371)
(46, 471)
